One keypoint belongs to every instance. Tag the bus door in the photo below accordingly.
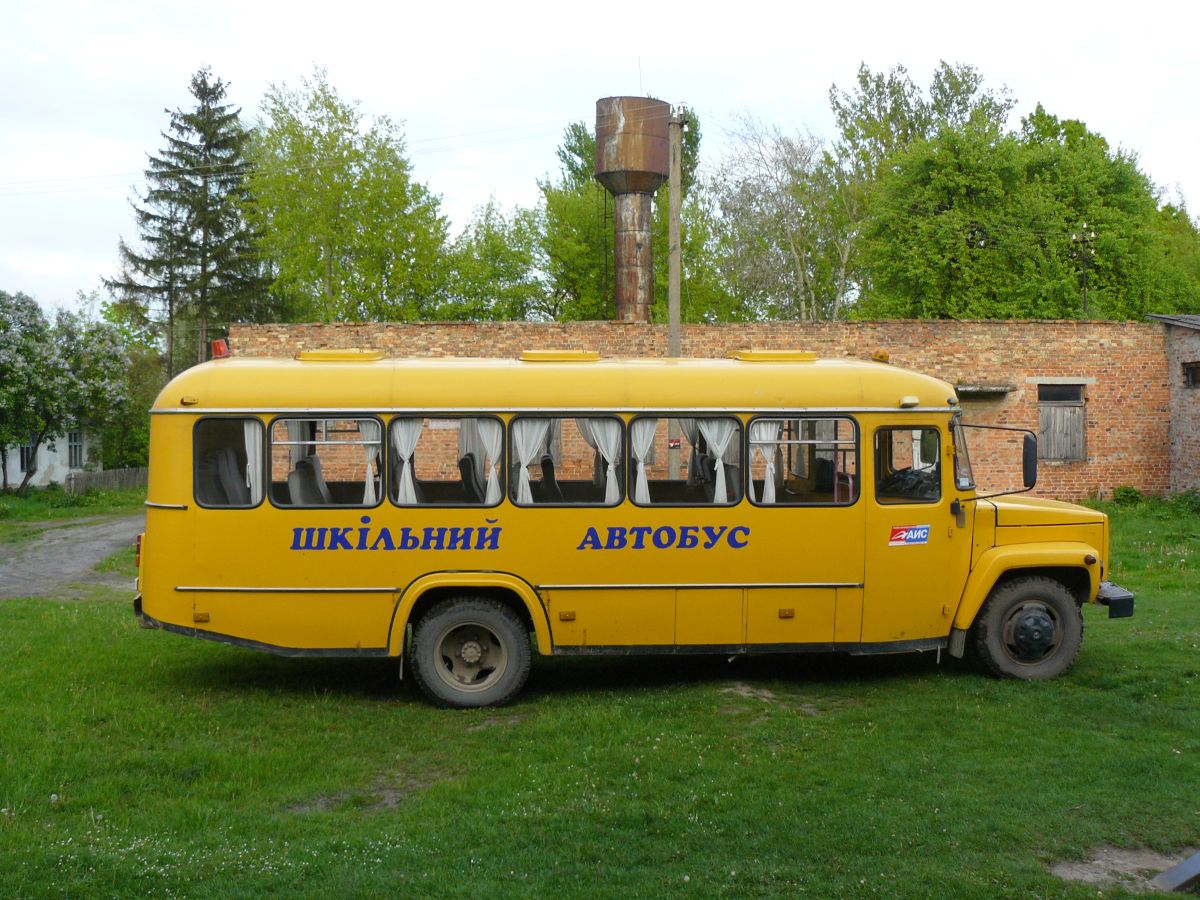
(807, 553)
(917, 556)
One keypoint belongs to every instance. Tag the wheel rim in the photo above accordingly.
(1032, 633)
(472, 657)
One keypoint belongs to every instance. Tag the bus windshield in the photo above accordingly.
(964, 478)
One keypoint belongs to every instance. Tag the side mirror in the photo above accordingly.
(1029, 458)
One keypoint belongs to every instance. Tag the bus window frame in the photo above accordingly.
(623, 466)
(502, 464)
(269, 445)
(743, 446)
(939, 467)
(799, 416)
(264, 470)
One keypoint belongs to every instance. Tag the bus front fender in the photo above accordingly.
(465, 582)
(999, 561)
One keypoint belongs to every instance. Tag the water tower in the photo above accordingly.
(632, 163)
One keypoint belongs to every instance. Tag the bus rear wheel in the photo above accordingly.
(469, 652)
(1029, 628)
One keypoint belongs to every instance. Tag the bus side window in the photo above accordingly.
(907, 465)
(326, 462)
(803, 462)
(446, 461)
(571, 461)
(707, 470)
(227, 462)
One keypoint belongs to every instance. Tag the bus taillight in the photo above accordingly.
(137, 552)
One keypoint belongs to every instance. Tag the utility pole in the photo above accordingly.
(1083, 247)
(674, 185)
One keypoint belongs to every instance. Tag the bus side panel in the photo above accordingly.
(791, 615)
(709, 616)
(168, 547)
(613, 618)
(343, 623)
(257, 585)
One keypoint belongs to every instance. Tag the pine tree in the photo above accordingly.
(198, 259)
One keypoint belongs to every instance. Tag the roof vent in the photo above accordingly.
(772, 355)
(339, 355)
(559, 355)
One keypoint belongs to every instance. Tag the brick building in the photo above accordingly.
(1112, 401)
(1183, 368)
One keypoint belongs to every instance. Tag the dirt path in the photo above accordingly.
(64, 554)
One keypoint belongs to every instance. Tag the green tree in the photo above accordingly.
(1176, 249)
(494, 266)
(883, 115)
(347, 230)
(198, 259)
(125, 432)
(772, 232)
(956, 232)
(53, 376)
(576, 243)
(978, 223)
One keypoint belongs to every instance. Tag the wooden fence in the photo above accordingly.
(108, 480)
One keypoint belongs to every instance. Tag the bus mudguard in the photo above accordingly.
(998, 561)
(466, 582)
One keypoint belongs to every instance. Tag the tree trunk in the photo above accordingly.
(202, 334)
(171, 328)
(4, 465)
(32, 470)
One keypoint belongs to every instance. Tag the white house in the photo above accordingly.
(51, 465)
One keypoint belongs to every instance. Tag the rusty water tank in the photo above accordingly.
(632, 159)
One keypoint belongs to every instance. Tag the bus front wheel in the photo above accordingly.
(470, 651)
(1029, 628)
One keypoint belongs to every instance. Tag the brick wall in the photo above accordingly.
(1183, 346)
(1123, 364)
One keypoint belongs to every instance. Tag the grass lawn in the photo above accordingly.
(23, 516)
(141, 762)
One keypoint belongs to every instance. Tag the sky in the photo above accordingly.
(484, 91)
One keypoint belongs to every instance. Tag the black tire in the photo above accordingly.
(1029, 628)
(469, 652)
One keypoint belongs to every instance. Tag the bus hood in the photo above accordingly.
(1013, 511)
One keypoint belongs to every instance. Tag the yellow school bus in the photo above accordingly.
(455, 514)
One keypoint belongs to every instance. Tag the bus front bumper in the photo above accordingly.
(1118, 600)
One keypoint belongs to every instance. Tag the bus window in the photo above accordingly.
(907, 465)
(803, 462)
(566, 460)
(708, 470)
(446, 461)
(228, 467)
(325, 462)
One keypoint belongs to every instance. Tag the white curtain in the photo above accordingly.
(554, 441)
(469, 441)
(491, 433)
(604, 436)
(298, 430)
(253, 432)
(717, 434)
(585, 429)
(370, 433)
(692, 432)
(529, 439)
(764, 441)
(641, 442)
(405, 435)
